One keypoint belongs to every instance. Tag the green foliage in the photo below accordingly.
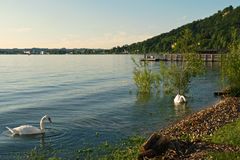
(143, 77)
(231, 65)
(211, 33)
(40, 154)
(228, 134)
(174, 78)
(127, 149)
(223, 156)
(185, 44)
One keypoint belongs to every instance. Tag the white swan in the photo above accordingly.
(30, 130)
(179, 99)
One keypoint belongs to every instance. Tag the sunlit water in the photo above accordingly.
(91, 99)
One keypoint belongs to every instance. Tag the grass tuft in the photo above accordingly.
(228, 134)
(224, 156)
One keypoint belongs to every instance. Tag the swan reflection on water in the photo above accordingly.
(181, 109)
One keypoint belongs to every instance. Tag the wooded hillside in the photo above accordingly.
(211, 33)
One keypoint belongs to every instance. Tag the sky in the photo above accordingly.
(96, 23)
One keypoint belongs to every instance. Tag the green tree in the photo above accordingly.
(179, 75)
(185, 43)
(143, 77)
(231, 65)
(174, 77)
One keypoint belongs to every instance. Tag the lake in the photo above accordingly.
(90, 98)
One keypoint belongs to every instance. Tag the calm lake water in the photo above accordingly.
(85, 95)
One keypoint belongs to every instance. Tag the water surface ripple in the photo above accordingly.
(84, 95)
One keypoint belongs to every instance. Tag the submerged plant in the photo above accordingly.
(172, 78)
(143, 77)
(40, 153)
(176, 77)
(191, 66)
(127, 149)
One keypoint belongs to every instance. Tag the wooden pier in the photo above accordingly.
(180, 57)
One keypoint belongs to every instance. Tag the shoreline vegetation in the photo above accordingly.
(211, 133)
(193, 136)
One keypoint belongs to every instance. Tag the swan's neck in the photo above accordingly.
(182, 98)
(42, 125)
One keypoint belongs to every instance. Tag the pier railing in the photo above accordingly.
(180, 57)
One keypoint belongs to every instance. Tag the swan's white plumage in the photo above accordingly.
(28, 129)
(179, 99)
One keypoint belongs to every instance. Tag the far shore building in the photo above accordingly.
(27, 52)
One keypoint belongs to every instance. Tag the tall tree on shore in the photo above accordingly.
(176, 77)
(231, 65)
(172, 78)
(185, 43)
